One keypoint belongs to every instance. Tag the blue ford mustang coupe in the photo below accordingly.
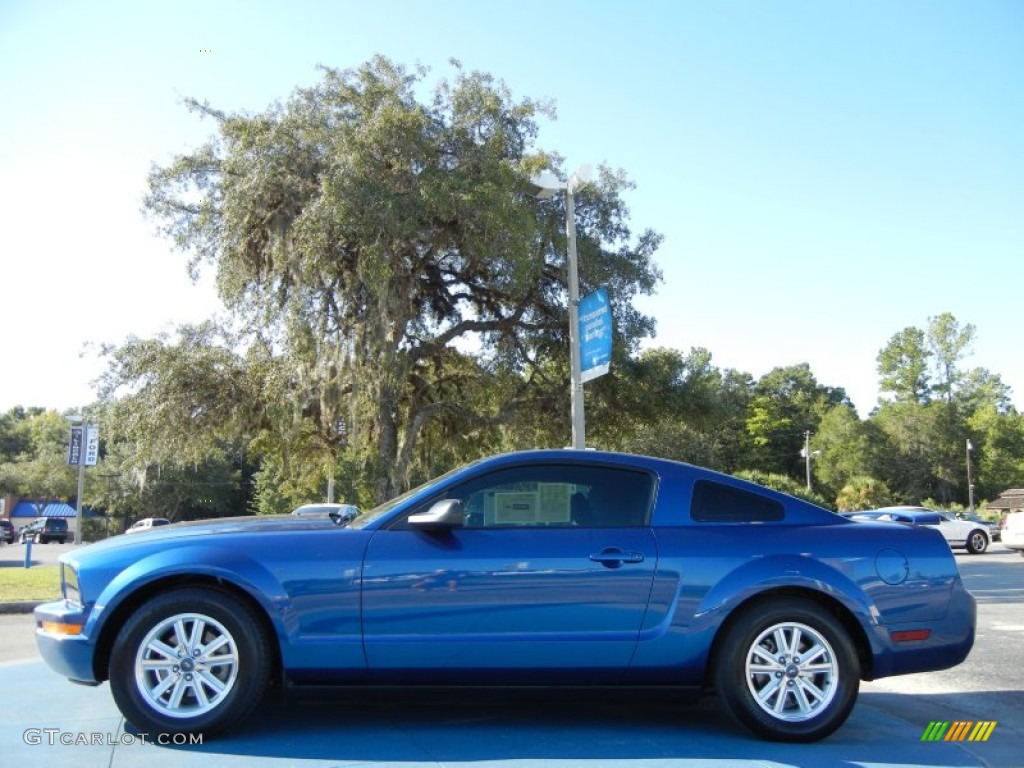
(540, 568)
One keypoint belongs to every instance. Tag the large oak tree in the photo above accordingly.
(381, 259)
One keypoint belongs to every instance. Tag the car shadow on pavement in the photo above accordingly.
(442, 727)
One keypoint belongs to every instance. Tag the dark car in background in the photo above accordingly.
(7, 532)
(45, 530)
(542, 568)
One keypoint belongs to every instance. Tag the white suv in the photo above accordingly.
(1013, 531)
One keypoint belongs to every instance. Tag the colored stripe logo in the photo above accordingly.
(959, 730)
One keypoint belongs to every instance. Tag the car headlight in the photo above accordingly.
(69, 584)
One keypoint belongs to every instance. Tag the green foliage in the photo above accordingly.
(862, 492)
(783, 484)
(787, 403)
(948, 343)
(34, 464)
(903, 367)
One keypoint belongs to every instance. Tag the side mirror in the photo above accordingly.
(443, 515)
(344, 516)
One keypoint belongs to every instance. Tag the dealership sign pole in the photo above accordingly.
(83, 450)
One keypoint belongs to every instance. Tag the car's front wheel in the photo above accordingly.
(977, 542)
(189, 661)
(787, 670)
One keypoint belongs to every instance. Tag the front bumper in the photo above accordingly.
(68, 654)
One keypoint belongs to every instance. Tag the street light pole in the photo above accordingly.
(970, 481)
(545, 186)
(579, 426)
(808, 455)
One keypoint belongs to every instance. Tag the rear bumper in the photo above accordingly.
(1013, 539)
(949, 643)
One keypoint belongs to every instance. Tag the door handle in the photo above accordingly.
(613, 557)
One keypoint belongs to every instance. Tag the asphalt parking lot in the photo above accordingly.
(54, 723)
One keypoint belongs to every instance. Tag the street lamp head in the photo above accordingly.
(546, 185)
(580, 177)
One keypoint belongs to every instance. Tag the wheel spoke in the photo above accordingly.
(197, 688)
(212, 681)
(163, 649)
(180, 634)
(196, 638)
(770, 688)
(801, 698)
(812, 653)
(805, 686)
(767, 656)
(160, 689)
(780, 641)
(159, 664)
(219, 642)
(780, 699)
(176, 695)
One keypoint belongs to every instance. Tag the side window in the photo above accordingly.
(716, 503)
(557, 495)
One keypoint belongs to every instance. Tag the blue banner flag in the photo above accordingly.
(75, 447)
(595, 316)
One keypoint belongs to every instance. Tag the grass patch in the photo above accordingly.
(40, 582)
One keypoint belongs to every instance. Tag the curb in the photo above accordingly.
(7, 608)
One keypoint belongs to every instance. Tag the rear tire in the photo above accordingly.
(189, 661)
(787, 670)
(977, 542)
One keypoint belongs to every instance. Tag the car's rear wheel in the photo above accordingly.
(189, 661)
(977, 542)
(787, 670)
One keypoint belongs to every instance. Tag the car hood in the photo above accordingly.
(202, 529)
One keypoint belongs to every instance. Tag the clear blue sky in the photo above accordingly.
(825, 173)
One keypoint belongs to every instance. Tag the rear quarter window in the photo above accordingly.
(716, 503)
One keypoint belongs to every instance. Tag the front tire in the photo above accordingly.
(977, 542)
(787, 670)
(189, 661)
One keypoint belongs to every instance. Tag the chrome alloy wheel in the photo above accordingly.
(186, 665)
(792, 672)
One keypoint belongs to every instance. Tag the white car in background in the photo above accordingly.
(959, 534)
(343, 513)
(148, 524)
(1013, 531)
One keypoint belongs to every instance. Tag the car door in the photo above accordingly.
(548, 580)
